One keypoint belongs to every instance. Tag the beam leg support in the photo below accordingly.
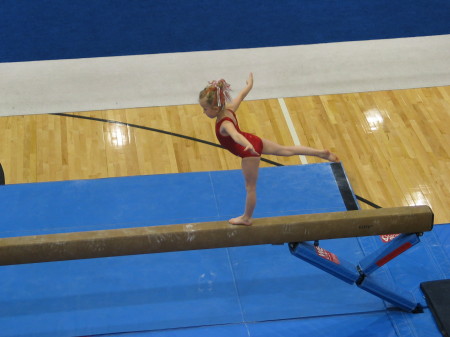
(388, 252)
(352, 274)
(325, 260)
(401, 299)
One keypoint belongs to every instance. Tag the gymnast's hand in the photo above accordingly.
(251, 149)
(250, 81)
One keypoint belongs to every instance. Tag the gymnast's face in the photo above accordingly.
(209, 110)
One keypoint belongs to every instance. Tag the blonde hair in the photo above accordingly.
(216, 93)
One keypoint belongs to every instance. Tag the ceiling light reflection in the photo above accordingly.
(118, 136)
(374, 118)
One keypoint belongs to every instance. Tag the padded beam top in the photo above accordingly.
(215, 234)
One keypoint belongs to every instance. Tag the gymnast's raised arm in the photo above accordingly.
(234, 105)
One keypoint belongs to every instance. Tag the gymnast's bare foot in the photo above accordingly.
(327, 155)
(241, 220)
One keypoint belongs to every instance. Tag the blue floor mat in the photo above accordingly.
(242, 291)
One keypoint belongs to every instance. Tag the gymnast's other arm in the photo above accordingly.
(227, 128)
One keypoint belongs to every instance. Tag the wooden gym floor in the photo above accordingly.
(394, 144)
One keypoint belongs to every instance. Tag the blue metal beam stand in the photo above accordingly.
(388, 252)
(351, 274)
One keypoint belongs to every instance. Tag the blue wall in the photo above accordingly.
(62, 29)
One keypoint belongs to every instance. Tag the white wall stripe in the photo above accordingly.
(175, 79)
(287, 118)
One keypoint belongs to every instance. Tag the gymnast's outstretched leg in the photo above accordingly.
(273, 148)
(250, 168)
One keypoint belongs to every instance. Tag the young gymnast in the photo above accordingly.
(216, 102)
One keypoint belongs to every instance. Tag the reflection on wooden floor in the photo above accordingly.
(395, 145)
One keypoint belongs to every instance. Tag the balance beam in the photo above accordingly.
(215, 234)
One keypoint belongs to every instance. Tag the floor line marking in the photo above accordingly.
(287, 118)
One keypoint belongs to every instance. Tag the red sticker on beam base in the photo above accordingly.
(326, 255)
(388, 237)
(394, 254)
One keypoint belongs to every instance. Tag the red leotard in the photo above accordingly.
(235, 148)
